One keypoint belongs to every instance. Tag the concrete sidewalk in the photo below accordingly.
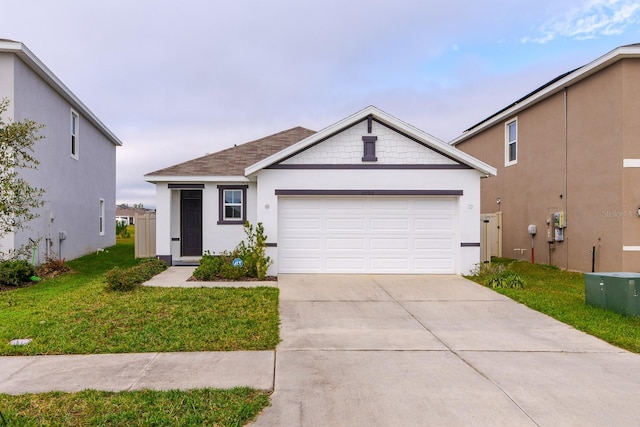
(118, 372)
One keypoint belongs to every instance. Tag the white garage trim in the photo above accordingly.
(368, 234)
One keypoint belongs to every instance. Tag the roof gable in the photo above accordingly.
(234, 160)
(346, 147)
(436, 150)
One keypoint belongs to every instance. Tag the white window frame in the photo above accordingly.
(231, 204)
(508, 142)
(74, 131)
(222, 204)
(101, 217)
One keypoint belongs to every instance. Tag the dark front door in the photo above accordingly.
(191, 222)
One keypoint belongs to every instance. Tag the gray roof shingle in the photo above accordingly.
(234, 160)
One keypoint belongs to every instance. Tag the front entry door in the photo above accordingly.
(191, 222)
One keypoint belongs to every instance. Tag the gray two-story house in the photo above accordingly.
(77, 160)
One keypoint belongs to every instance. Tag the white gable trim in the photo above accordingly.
(572, 78)
(381, 116)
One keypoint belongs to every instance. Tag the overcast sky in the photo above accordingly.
(176, 80)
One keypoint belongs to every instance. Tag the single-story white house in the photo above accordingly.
(368, 194)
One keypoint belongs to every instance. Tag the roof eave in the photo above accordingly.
(155, 179)
(32, 61)
(572, 78)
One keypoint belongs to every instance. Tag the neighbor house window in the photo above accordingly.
(511, 143)
(75, 121)
(232, 204)
(101, 217)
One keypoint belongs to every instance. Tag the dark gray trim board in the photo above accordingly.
(368, 166)
(184, 186)
(470, 244)
(271, 245)
(303, 192)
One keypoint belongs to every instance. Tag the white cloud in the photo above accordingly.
(596, 18)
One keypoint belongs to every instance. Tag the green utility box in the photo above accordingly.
(619, 292)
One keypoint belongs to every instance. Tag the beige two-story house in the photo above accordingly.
(568, 163)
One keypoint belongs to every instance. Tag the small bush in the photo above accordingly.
(506, 279)
(497, 276)
(122, 230)
(127, 279)
(208, 268)
(52, 267)
(16, 272)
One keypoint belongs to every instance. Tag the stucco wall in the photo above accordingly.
(593, 199)
(215, 237)
(73, 187)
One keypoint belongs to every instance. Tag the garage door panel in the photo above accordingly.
(303, 223)
(389, 224)
(388, 243)
(436, 265)
(345, 264)
(302, 243)
(378, 234)
(389, 264)
(433, 244)
(434, 224)
(347, 224)
(345, 244)
(300, 264)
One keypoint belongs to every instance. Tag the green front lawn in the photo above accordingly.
(74, 314)
(560, 294)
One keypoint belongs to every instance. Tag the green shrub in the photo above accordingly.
(497, 276)
(122, 230)
(230, 272)
(127, 279)
(208, 268)
(253, 251)
(16, 272)
(506, 279)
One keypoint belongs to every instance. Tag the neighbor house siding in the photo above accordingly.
(73, 187)
(584, 148)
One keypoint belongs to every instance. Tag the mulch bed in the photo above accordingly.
(244, 279)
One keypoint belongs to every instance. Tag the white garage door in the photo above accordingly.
(367, 235)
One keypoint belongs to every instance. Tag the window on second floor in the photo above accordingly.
(511, 143)
(75, 122)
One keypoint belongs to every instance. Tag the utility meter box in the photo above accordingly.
(619, 292)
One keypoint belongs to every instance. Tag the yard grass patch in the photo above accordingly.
(560, 294)
(74, 314)
(202, 407)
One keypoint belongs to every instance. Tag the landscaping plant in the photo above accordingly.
(251, 251)
(127, 279)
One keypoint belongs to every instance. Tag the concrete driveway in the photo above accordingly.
(438, 350)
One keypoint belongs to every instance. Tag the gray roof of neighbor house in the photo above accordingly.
(234, 160)
(32, 61)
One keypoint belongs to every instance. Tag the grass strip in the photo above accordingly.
(560, 294)
(202, 407)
